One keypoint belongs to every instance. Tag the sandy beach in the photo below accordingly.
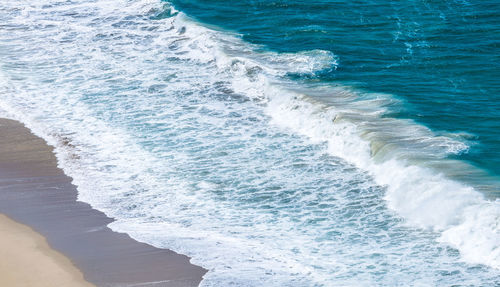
(72, 245)
(27, 259)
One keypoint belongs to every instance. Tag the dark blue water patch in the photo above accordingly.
(441, 58)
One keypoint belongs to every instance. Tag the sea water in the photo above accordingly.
(277, 143)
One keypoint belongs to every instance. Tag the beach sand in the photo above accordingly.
(27, 260)
(34, 192)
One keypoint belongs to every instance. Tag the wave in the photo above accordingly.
(423, 196)
(398, 153)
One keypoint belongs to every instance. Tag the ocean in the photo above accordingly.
(277, 143)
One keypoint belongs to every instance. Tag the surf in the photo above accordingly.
(178, 130)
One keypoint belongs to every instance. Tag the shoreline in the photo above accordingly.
(36, 193)
(23, 251)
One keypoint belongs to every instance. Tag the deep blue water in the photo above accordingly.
(442, 58)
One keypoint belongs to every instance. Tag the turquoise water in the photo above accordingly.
(276, 143)
(441, 58)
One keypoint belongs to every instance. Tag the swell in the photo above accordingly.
(409, 159)
(424, 196)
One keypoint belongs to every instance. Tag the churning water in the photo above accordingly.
(271, 161)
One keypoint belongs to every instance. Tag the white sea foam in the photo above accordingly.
(154, 147)
(423, 196)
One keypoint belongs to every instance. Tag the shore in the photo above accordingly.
(23, 252)
(36, 193)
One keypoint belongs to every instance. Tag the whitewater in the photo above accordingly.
(195, 140)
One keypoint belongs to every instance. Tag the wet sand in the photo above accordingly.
(33, 191)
